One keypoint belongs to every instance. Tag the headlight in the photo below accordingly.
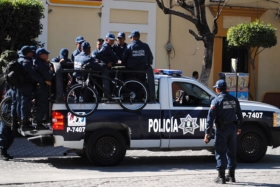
(276, 120)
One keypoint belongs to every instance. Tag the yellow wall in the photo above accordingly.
(66, 23)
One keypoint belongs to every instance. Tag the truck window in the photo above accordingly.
(187, 94)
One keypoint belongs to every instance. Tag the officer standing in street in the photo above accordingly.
(42, 66)
(6, 133)
(138, 56)
(226, 113)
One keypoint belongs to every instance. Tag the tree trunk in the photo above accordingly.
(207, 61)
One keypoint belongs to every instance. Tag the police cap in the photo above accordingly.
(221, 84)
(41, 51)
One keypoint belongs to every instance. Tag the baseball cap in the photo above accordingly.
(85, 45)
(7, 56)
(33, 48)
(80, 39)
(64, 53)
(121, 35)
(134, 33)
(111, 36)
(221, 84)
(25, 49)
(41, 51)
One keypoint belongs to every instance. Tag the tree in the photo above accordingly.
(254, 36)
(20, 23)
(195, 13)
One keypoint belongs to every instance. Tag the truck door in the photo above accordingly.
(189, 107)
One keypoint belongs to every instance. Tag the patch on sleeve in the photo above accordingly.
(212, 107)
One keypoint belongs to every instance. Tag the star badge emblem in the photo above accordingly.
(188, 124)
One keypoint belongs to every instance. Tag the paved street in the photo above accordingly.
(35, 166)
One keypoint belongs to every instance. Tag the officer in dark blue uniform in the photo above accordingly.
(6, 136)
(43, 68)
(108, 58)
(226, 113)
(99, 44)
(25, 90)
(120, 46)
(84, 59)
(65, 63)
(138, 56)
(79, 41)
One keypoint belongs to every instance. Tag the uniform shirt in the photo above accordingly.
(63, 65)
(82, 59)
(137, 54)
(119, 50)
(93, 54)
(75, 53)
(30, 70)
(43, 68)
(221, 109)
(107, 55)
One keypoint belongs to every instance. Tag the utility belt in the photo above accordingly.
(40, 85)
(221, 124)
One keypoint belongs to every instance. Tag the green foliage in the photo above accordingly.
(251, 35)
(20, 23)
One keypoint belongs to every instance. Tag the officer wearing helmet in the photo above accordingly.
(225, 112)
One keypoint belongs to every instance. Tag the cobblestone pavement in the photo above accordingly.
(35, 166)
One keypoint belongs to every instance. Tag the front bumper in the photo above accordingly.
(275, 134)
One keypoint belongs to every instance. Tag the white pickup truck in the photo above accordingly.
(175, 122)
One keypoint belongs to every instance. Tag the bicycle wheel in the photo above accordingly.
(81, 101)
(134, 95)
(5, 108)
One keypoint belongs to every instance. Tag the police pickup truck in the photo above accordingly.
(175, 122)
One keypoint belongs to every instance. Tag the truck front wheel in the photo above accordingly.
(251, 144)
(106, 147)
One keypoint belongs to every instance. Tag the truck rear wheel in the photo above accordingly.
(251, 144)
(106, 147)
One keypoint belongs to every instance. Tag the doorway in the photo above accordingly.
(241, 54)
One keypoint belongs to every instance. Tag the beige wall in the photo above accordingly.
(66, 23)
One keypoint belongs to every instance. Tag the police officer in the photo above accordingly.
(6, 134)
(79, 41)
(65, 63)
(25, 90)
(226, 113)
(43, 68)
(84, 59)
(120, 46)
(138, 56)
(108, 57)
(99, 44)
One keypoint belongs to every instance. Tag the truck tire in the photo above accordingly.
(106, 147)
(251, 144)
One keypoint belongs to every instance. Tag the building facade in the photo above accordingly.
(168, 36)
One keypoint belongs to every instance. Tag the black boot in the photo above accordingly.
(25, 125)
(4, 151)
(40, 125)
(221, 179)
(2, 155)
(230, 177)
(14, 125)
